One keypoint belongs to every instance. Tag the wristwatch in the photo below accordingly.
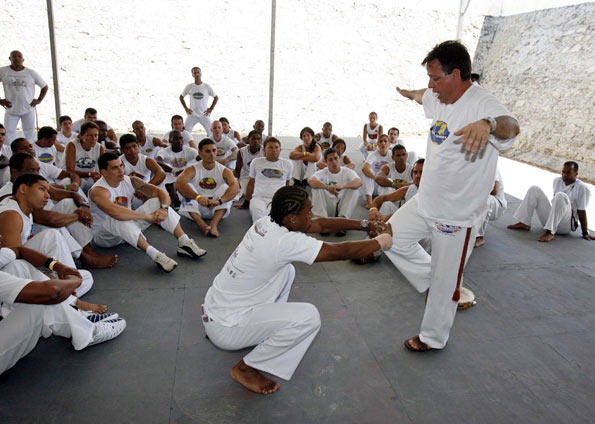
(164, 206)
(492, 122)
(364, 224)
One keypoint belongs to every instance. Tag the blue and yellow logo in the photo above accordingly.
(439, 132)
(46, 158)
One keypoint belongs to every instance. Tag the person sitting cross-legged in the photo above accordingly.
(207, 188)
(115, 222)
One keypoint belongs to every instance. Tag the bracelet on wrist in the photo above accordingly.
(48, 261)
(373, 208)
(53, 264)
(197, 197)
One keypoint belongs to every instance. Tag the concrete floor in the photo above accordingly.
(524, 353)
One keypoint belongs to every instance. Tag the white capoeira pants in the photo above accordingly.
(191, 205)
(259, 207)
(27, 122)
(365, 151)
(369, 186)
(204, 120)
(112, 232)
(50, 242)
(22, 327)
(495, 211)
(451, 248)
(555, 217)
(76, 234)
(325, 204)
(243, 186)
(281, 331)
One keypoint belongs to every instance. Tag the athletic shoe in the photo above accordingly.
(190, 248)
(99, 317)
(165, 262)
(107, 330)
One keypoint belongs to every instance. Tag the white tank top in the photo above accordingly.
(148, 149)
(372, 133)
(121, 196)
(206, 181)
(325, 142)
(86, 160)
(139, 170)
(10, 204)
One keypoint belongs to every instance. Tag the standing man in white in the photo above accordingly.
(198, 111)
(469, 128)
(19, 96)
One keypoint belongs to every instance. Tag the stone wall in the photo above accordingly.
(542, 66)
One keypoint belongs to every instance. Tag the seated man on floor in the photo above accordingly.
(245, 157)
(57, 177)
(227, 149)
(326, 138)
(137, 164)
(67, 211)
(335, 189)
(387, 204)
(91, 116)
(207, 188)
(115, 222)
(31, 192)
(340, 146)
(496, 207)
(35, 306)
(103, 138)
(372, 165)
(46, 148)
(267, 175)
(148, 145)
(177, 123)
(394, 140)
(571, 198)
(173, 160)
(392, 176)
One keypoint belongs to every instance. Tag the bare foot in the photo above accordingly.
(205, 229)
(545, 237)
(213, 232)
(369, 203)
(95, 261)
(252, 379)
(91, 307)
(519, 226)
(479, 241)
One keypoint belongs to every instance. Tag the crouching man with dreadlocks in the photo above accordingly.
(247, 303)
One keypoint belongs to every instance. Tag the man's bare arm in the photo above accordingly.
(415, 95)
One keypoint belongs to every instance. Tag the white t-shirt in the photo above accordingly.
(226, 145)
(199, 96)
(49, 172)
(45, 154)
(19, 88)
(344, 176)
(139, 170)
(181, 159)
(577, 192)
(269, 176)
(247, 158)
(376, 160)
(250, 277)
(456, 185)
(63, 140)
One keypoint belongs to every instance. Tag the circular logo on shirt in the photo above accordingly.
(208, 183)
(439, 132)
(46, 158)
(198, 95)
(85, 163)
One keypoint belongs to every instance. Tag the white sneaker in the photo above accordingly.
(165, 262)
(93, 317)
(107, 330)
(190, 248)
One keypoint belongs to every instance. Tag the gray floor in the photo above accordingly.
(524, 353)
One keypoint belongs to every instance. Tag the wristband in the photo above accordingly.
(373, 208)
(48, 261)
(65, 187)
(305, 154)
(53, 264)
(393, 184)
(385, 241)
(197, 197)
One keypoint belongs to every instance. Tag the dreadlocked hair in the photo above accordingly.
(287, 200)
